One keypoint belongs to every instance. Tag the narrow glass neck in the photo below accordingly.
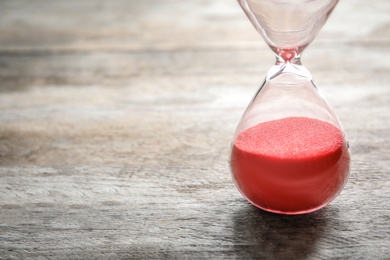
(288, 56)
(291, 66)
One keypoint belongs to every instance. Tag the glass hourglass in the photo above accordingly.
(289, 154)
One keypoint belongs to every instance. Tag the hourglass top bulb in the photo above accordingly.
(288, 25)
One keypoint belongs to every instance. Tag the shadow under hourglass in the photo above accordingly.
(266, 235)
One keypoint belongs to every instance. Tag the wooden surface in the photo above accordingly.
(116, 119)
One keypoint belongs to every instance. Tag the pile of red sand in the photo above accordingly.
(291, 165)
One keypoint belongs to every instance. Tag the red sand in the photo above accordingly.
(293, 165)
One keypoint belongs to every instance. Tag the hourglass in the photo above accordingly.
(289, 154)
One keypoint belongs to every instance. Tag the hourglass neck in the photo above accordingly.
(284, 56)
(288, 62)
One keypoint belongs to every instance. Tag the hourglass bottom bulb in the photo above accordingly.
(292, 165)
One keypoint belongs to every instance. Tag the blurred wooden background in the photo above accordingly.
(116, 119)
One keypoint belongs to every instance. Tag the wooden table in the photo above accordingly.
(116, 119)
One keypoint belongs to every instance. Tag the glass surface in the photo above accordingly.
(288, 24)
(289, 154)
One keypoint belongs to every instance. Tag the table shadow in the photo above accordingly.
(264, 235)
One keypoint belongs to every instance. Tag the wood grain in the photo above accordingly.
(116, 119)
